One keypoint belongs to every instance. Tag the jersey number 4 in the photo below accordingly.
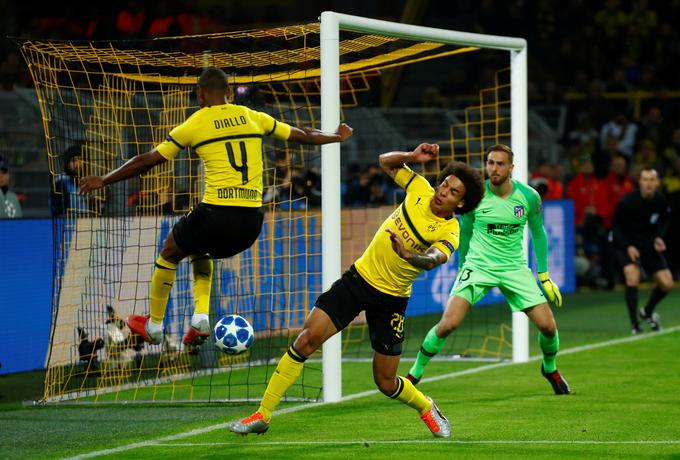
(243, 167)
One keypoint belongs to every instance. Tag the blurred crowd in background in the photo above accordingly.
(611, 63)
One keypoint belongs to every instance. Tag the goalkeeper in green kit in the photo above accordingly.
(491, 255)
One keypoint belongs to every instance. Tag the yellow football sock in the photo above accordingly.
(161, 285)
(287, 372)
(407, 393)
(202, 267)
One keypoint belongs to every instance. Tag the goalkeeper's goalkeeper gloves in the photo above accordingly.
(550, 288)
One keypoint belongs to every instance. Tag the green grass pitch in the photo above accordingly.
(625, 404)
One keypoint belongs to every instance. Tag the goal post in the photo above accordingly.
(331, 24)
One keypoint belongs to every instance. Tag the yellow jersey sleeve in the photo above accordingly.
(411, 181)
(272, 127)
(449, 239)
(179, 138)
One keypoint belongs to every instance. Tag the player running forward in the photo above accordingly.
(419, 235)
(491, 255)
(228, 139)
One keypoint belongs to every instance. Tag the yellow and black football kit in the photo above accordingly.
(379, 282)
(228, 139)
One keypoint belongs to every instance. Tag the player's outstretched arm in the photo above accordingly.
(427, 261)
(316, 137)
(391, 162)
(131, 168)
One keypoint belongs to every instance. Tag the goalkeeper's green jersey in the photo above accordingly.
(491, 235)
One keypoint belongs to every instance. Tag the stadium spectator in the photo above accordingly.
(602, 158)
(585, 134)
(625, 131)
(547, 181)
(163, 23)
(131, 20)
(491, 255)
(616, 184)
(618, 82)
(358, 191)
(587, 193)
(10, 208)
(610, 22)
(556, 182)
(379, 282)
(640, 223)
(652, 126)
(645, 156)
(229, 218)
(368, 187)
(644, 19)
(590, 208)
(11, 70)
(65, 198)
(160, 200)
(188, 19)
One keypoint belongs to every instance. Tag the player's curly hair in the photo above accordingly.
(471, 179)
(213, 80)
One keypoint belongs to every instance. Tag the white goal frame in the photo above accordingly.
(331, 23)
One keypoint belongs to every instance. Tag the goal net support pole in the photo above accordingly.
(331, 23)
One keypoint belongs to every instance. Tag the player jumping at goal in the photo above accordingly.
(228, 139)
(491, 255)
(419, 235)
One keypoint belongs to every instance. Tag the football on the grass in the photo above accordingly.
(233, 334)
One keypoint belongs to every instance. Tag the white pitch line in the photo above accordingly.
(219, 426)
(366, 442)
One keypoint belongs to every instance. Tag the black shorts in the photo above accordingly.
(221, 231)
(350, 295)
(652, 261)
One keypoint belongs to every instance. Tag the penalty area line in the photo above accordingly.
(165, 440)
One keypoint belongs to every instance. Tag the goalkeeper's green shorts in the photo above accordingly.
(519, 286)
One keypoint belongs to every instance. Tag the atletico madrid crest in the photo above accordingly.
(519, 211)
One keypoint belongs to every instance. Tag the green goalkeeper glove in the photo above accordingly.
(550, 288)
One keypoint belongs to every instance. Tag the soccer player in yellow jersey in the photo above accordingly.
(419, 235)
(228, 139)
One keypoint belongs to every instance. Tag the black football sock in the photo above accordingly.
(656, 297)
(631, 303)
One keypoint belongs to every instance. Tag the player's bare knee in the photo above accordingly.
(445, 328)
(386, 385)
(632, 275)
(307, 342)
(665, 284)
(170, 251)
(549, 329)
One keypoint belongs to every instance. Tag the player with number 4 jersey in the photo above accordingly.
(228, 140)
(491, 255)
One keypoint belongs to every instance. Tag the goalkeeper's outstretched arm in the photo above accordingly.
(132, 168)
(540, 240)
